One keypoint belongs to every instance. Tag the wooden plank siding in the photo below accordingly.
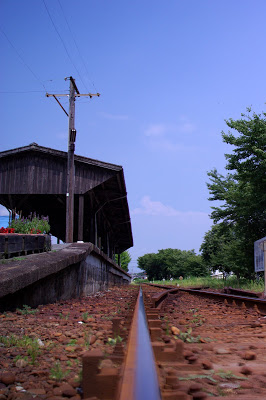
(45, 175)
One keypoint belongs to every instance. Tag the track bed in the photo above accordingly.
(201, 348)
(224, 348)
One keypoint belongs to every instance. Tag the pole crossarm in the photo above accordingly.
(76, 95)
(88, 95)
(58, 95)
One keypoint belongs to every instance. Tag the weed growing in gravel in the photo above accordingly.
(19, 357)
(87, 337)
(113, 341)
(72, 342)
(57, 372)
(64, 316)
(51, 345)
(18, 258)
(108, 317)
(229, 375)
(34, 351)
(197, 320)
(167, 326)
(187, 337)
(222, 374)
(31, 345)
(192, 377)
(9, 341)
(85, 315)
(26, 310)
(79, 377)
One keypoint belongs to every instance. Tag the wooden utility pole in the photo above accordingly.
(73, 93)
(70, 163)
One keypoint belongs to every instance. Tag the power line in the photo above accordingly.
(23, 92)
(82, 59)
(62, 41)
(23, 61)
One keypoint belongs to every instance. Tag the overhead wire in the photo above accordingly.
(22, 92)
(22, 59)
(63, 43)
(79, 52)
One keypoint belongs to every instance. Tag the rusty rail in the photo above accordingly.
(140, 380)
(137, 378)
(250, 302)
(249, 299)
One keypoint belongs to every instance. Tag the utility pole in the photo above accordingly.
(70, 163)
(73, 93)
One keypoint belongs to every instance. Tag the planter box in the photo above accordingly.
(15, 244)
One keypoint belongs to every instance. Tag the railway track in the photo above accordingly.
(222, 343)
(159, 343)
(174, 361)
(232, 296)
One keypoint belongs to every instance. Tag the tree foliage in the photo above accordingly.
(125, 259)
(173, 263)
(240, 217)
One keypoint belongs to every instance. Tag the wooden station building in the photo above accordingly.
(34, 179)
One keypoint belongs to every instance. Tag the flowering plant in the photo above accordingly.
(7, 230)
(32, 224)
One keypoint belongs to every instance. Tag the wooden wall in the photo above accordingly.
(32, 173)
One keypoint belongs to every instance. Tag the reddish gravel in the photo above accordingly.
(224, 349)
(41, 350)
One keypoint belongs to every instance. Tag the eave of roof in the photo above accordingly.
(59, 153)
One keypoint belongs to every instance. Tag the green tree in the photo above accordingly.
(213, 248)
(151, 264)
(242, 192)
(125, 259)
(169, 263)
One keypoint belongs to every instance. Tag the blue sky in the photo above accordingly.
(169, 73)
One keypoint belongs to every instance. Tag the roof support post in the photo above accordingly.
(81, 217)
(95, 230)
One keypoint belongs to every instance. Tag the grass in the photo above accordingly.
(26, 310)
(210, 376)
(113, 341)
(192, 377)
(57, 372)
(18, 258)
(85, 316)
(229, 375)
(187, 337)
(87, 337)
(72, 342)
(64, 316)
(214, 283)
(25, 342)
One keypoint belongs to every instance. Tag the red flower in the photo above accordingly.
(7, 230)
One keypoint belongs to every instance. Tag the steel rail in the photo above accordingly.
(140, 380)
(249, 301)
